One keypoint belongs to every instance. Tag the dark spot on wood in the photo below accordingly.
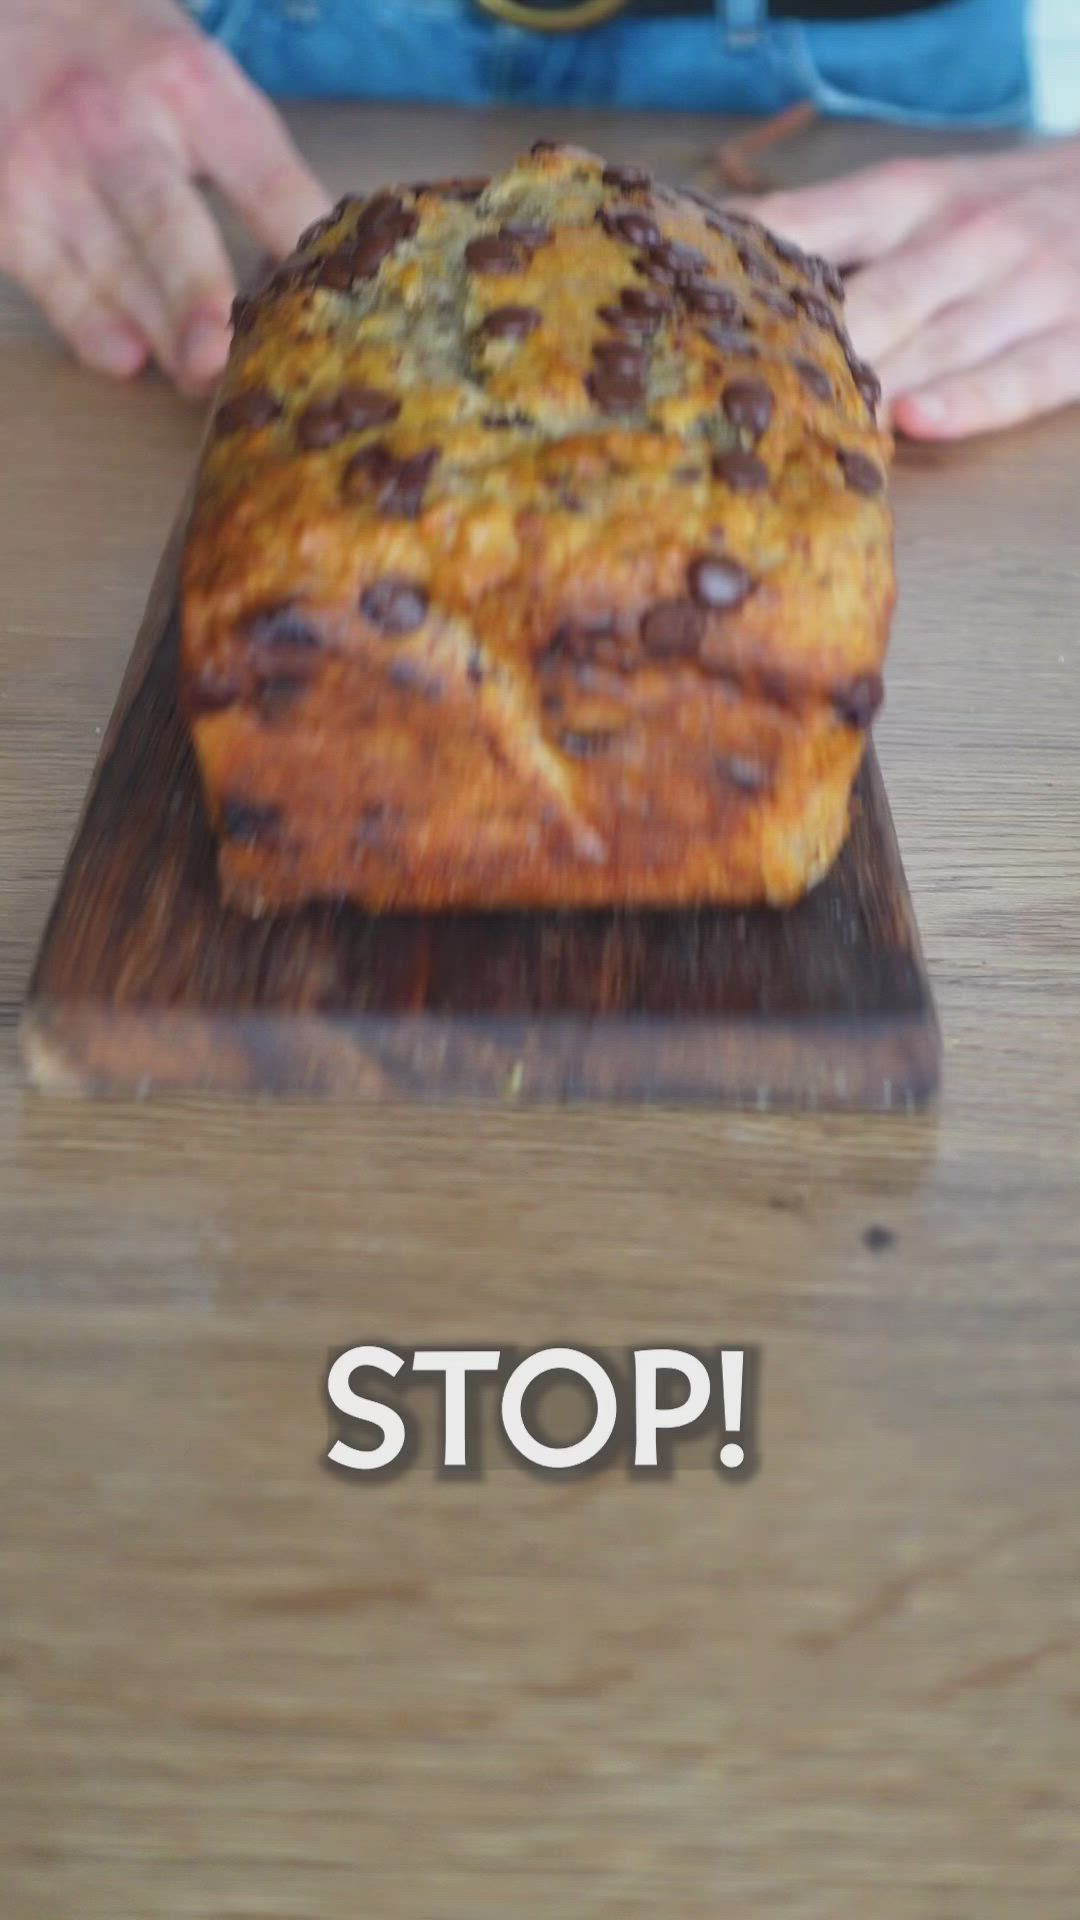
(878, 1238)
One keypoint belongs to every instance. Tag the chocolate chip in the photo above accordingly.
(320, 426)
(645, 303)
(280, 625)
(279, 692)
(398, 484)
(580, 642)
(814, 379)
(815, 308)
(775, 687)
(636, 227)
(252, 825)
(544, 146)
(371, 251)
(629, 326)
(676, 258)
(587, 746)
(700, 199)
(255, 407)
(749, 776)
(615, 392)
(467, 189)
(730, 340)
(860, 474)
(489, 253)
(315, 232)
(375, 822)
(701, 296)
(732, 225)
(629, 179)
(525, 233)
(363, 407)
(718, 583)
(394, 605)
(515, 419)
(411, 677)
(403, 493)
(672, 627)
(566, 643)
(867, 382)
(792, 255)
(292, 274)
(857, 702)
(510, 323)
(831, 278)
(781, 303)
(387, 214)
(757, 268)
(336, 270)
(620, 358)
(748, 404)
(211, 692)
(242, 315)
(741, 471)
(371, 467)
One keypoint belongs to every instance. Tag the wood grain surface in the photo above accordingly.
(235, 1686)
(146, 984)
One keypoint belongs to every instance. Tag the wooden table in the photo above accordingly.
(233, 1684)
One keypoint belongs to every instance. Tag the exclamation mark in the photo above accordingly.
(731, 1373)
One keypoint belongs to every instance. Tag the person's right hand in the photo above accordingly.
(110, 112)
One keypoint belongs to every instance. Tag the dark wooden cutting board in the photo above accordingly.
(144, 983)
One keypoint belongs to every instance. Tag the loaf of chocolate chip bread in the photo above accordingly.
(540, 555)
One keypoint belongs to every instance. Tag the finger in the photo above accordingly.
(861, 216)
(866, 214)
(53, 205)
(169, 223)
(890, 300)
(1028, 302)
(234, 136)
(1038, 375)
(98, 334)
(177, 243)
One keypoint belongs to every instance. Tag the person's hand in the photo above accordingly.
(965, 294)
(110, 112)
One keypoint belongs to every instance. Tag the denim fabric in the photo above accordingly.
(961, 64)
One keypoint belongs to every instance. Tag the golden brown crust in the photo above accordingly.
(540, 555)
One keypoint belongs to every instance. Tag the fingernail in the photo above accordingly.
(115, 350)
(204, 346)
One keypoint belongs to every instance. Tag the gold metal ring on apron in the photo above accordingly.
(568, 16)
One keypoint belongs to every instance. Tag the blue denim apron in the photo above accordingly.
(962, 64)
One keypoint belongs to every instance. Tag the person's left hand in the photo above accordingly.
(965, 289)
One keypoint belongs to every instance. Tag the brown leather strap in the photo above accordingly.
(570, 16)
